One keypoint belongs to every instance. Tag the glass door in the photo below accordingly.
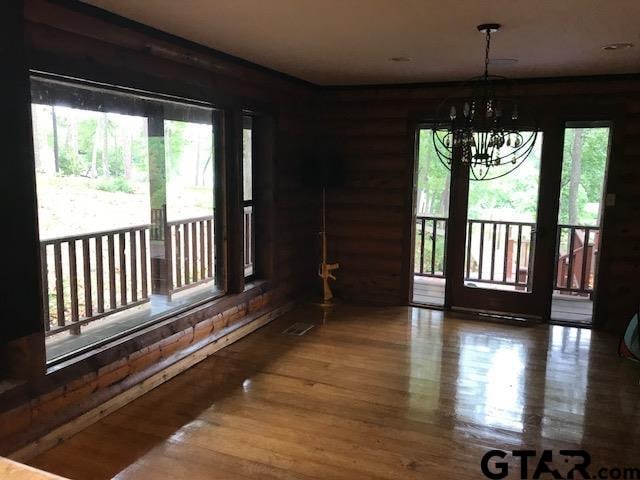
(495, 232)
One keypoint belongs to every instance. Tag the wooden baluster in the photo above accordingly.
(185, 231)
(481, 255)
(203, 273)
(444, 253)
(422, 235)
(73, 285)
(133, 259)
(111, 254)
(585, 250)
(86, 277)
(210, 248)
(518, 254)
(178, 256)
(57, 259)
(45, 287)
(557, 281)
(433, 246)
(572, 233)
(194, 252)
(123, 269)
(493, 251)
(168, 255)
(99, 274)
(143, 262)
(469, 238)
(506, 252)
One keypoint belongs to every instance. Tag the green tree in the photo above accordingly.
(588, 179)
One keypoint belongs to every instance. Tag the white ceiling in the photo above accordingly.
(331, 42)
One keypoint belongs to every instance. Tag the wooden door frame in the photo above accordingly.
(613, 114)
(532, 304)
(557, 112)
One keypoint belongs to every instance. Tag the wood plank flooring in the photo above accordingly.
(395, 393)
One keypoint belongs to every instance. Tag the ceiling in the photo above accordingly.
(343, 42)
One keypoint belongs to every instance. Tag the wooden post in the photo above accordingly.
(235, 219)
(220, 200)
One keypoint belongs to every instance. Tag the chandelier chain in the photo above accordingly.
(486, 54)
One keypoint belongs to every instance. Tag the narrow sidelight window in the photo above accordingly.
(247, 196)
(431, 222)
(584, 166)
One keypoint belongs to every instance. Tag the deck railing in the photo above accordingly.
(193, 251)
(575, 258)
(499, 252)
(496, 252)
(86, 277)
(431, 234)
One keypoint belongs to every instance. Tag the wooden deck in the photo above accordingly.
(428, 290)
(402, 393)
(564, 308)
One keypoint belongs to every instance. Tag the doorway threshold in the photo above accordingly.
(503, 317)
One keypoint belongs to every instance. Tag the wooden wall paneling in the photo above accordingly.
(264, 186)
(371, 124)
(21, 331)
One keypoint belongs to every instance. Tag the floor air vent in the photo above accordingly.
(298, 329)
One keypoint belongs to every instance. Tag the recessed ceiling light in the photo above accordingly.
(401, 59)
(503, 61)
(617, 46)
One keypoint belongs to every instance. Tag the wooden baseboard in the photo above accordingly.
(183, 361)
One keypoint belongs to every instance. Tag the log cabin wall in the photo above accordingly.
(71, 39)
(369, 218)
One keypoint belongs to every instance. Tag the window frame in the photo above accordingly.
(147, 103)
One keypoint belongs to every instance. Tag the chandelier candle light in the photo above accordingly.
(481, 131)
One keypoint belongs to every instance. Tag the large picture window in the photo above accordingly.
(128, 209)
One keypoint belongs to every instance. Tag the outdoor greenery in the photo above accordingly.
(117, 184)
(93, 170)
(514, 197)
(583, 169)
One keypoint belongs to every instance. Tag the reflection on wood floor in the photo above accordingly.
(372, 393)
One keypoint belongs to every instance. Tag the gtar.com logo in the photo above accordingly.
(535, 465)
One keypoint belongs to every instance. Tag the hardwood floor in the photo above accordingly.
(397, 393)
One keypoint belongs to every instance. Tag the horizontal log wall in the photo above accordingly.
(369, 217)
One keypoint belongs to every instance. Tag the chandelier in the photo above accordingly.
(481, 130)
